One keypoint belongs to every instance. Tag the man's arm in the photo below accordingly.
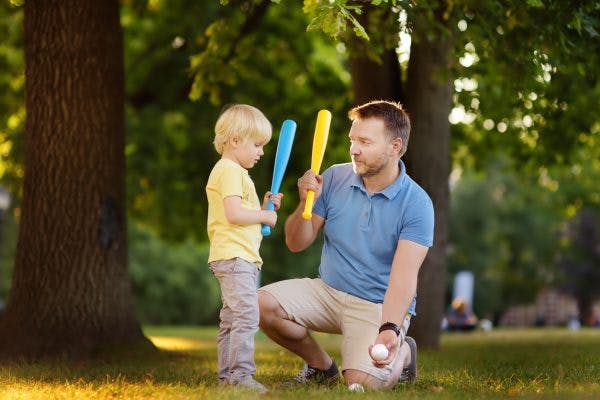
(301, 233)
(401, 290)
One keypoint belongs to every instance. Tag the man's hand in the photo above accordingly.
(389, 339)
(309, 181)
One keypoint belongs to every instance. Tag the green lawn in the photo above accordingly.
(521, 364)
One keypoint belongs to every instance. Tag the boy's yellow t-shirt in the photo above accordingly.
(228, 241)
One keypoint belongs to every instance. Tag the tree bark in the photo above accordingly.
(428, 162)
(376, 81)
(70, 294)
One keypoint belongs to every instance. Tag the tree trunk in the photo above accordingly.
(376, 81)
(70, 294)
(428, 102)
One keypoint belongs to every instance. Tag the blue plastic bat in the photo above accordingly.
(282, 156)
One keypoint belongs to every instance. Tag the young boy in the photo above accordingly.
(234, 221)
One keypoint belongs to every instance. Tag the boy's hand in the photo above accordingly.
(269, 218)
(275, 199)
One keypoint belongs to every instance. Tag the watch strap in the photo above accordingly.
(390, 326)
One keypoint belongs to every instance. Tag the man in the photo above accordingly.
(378, 226)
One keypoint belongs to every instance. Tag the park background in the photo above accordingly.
(504, 102)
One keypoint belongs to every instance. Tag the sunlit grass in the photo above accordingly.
(523, 364)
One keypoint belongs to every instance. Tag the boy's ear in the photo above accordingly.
(234, 140)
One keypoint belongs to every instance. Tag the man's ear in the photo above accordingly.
(397, 145)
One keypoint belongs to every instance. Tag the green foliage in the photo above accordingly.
(8, 246)
(504, 228)
(536, 84)
(169, 142)
(172, 284)
(531, 62)
(12, 104)
(517, 230)
(169, 138)
(332, 17)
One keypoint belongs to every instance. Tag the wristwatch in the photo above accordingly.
(390, 326)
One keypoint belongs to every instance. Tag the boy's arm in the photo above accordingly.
(238, 215)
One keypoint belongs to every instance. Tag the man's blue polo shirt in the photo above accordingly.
(362, 232)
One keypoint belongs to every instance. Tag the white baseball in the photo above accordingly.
(356, 387)
(379, 352)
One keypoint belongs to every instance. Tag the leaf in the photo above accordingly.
(535, 3)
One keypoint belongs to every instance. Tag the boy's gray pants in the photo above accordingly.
(239, 318)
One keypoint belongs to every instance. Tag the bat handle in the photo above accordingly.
(308, 206)
(266, 229)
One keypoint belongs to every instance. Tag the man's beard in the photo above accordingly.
(368, 170)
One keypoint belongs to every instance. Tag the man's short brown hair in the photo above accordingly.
(394, 117)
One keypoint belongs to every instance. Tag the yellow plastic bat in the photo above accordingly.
(318, 151)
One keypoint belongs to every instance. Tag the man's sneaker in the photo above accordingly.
(310, 375)
(251, 384)
(409, 374)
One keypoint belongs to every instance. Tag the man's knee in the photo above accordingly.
(269, 307)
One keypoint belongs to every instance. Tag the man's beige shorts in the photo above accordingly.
(318, 307)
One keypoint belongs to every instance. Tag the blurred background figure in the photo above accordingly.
(460, 317)
(595, 317)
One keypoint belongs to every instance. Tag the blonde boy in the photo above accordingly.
(234, 221)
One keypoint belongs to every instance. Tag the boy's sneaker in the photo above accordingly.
(251, 384)
(310, 375)
(409, 374)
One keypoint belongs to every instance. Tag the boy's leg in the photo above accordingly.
(238, 287)
(223, 366)
(223, 363)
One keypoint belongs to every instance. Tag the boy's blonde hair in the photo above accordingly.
(245, 122)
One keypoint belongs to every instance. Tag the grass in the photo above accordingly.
(521, 364)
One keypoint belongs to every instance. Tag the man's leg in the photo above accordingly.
(361, 321)
(403, 360)
(275, 324)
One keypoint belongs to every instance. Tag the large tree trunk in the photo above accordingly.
(70, 294)
(376, 81)
(427, 96)
(428, 100)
